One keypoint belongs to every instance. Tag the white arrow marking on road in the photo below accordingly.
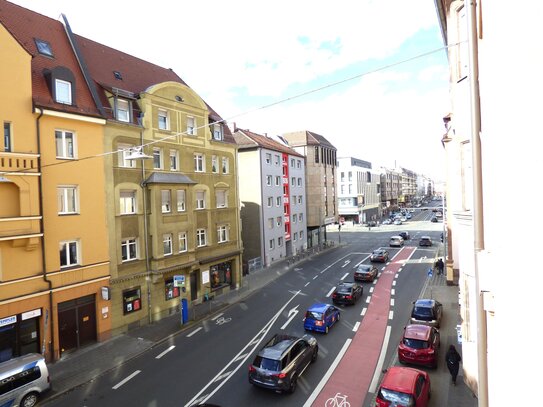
(346, 263)
(291, 314)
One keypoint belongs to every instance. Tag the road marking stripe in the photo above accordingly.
(363, 311)
(393, 292)
(379, 367)
(193, 332)
(355, 327)
(126, 379)
(394, 283)
(368, 299)
(217, 316)
(306, 284)
(390, 314)
(330, 292)
(392, 302)
(343, 278)
(166, 351)
(371, 289)
(315, 277)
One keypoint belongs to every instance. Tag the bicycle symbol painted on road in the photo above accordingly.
(222, 320)
(339, 400)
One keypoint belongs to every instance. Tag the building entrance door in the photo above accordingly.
(77, 323)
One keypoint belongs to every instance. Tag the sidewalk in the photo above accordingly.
(77, 368)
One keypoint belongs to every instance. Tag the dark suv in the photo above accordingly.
(427, 312)
(281, 361)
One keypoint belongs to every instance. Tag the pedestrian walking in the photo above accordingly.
(453, 360)
(440, 265)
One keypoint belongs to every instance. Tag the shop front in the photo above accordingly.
(20, 334)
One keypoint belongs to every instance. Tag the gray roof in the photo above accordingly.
(168, 178)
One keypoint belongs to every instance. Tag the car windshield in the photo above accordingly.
(424, 313)
(364, 269)
(268, 364)
(377, 253)
(415, 343)
(313, 315)
(344, 290)
(396, 397)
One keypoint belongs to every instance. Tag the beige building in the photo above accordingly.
(321, 181)
(492, 146)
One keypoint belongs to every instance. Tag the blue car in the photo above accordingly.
(320, 317)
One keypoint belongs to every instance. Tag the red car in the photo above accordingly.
(404, 386)
(419, 345)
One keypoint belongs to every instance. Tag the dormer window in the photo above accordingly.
(63, 92)
(44, 47)
(217, 132)
(123, 110)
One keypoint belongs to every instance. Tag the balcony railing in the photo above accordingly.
(18, 162)
(20, 226)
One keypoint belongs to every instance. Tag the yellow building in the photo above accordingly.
(54, 258)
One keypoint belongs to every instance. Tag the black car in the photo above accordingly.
(347, 293)
(379, 255)
(365, 272)
(281, 361)
(425, 241)
(405, 235)
(427, 312)
(434, 219)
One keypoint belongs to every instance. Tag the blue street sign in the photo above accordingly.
(430, 273)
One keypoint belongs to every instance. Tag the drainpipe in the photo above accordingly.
(478, 228)
(146, 233)
(43, 262)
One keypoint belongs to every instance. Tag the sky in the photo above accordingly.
(371, 76)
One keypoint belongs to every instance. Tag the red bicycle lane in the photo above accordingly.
(354, 373)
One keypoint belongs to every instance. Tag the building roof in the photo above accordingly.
(25, 26)
(306, 138)
(246, 139)
(168, 178)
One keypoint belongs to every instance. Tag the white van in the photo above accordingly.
(22, 380)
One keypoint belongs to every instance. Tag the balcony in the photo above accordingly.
(19, 227)
(18, 162)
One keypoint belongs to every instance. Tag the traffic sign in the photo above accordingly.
(430, 272)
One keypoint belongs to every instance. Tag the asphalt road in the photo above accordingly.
(210, 362)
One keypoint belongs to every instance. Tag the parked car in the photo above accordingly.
(427, 312)
(419, 345)
(396, 241)
(425, 241)
(379, 255)
(347, 292)
(387, 222)
(320, 317)
(365, 272)
(434, 219)
(397, 222)
(405, 235)
(281, 361)
(404, 386)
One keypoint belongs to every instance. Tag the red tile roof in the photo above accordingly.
(247, 139)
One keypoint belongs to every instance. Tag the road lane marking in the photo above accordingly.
(193, 332)
(137, 372)
(363, 312)
(392, 302)
(343, 278)
(306, 284)
(331, 291)
(217, 316)
(166, 351)
(392, 292)
(368, 299)
(328, 374)
(291, 314)
(355, 327)
(394, 283)
(371, 289)
(379, 367)
(347, 262)
(390, 314)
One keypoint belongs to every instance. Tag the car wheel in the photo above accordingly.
(293, 383)
(30, 400)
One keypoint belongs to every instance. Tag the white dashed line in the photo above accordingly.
(355, 327)
(368, 299)
(330, 292)
(306, 284)
(317, 276)
(392, 292)
(217, 316)
(371, 289)
(137, 372)
(363, 311)
(343, 278)
(390, 314)
(193, 332)
(392, 302)
(166, 351)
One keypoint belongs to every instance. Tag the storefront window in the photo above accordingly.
(131, 300)
(221, 274)
(171, 291)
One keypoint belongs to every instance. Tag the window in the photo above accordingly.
(293, 199)
(191, 126)
(268, 180)
(294, 218)
(270, 223)
(214, 164)
(200, 200)
(127, 202)
(292, 162)
(166, 200)
(293, 181)
(277, 160)
(67, 199)
(65, 142)
(222, 234)
(225, 165)
(13, 382)
(462, 55)
(43, 47)
(123, 110)
(69, 254)
(272, 244)
(350, 176)
(63, 92)
(299, 164)
(301, 234)
(157, 158)
(300, 217)
(221, 196)
(124, 151)
(7, 137)
(174, 160)
(181, 200)
(163, 122)
(268, 158)
(217, 132)
(270, 201)
(129, 250)
(171, 291)
(277, 180)
(183, 242)
(198, 163)
(278, 201)
(167, 243)
(279, 220)
(279, 241)
(299, 182)
(200, 237)
(131, 300)
(300, 199)
(295, 236)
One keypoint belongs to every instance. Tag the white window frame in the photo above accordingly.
(166, 200)
(126, 245)
(293, 181)
(280, 241)
(201, 238)
(294, 218)
(174, 160)
(181, 200)
(214, 164)
(200, 200)
(299, 164)
(157, 153)
(163, 119)
(270, 201)
(268, 158)
(222, 234)
(225, 165)
(300, 217)
(270, 223)
(268, 180)
(221, 196)
(65, 201)
(300, 199)
(279, 220)
(123, 110)
(300, 182)
(277, 159)
(292, 162)
(295, 236)
(191, 125)
(183, 243)
(217, 131)
(63, 145)
(124, 151)
(271, 244)
(63, 92)
(277, 180)
(69, 261)
(167, 244)
(278, 201)
(199, 162)
(127, 202)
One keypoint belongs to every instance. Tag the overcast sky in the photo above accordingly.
(370, 76)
